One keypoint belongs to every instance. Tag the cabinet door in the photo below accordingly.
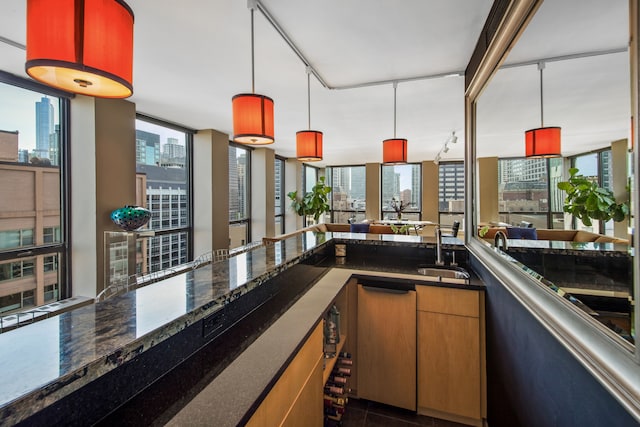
(386, 355)
(308, 407)
(449, 364)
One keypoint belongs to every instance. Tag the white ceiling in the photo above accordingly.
(192, 56)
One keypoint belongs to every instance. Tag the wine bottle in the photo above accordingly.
(337, 379)
(345, 355)
(345, 362)
(333, 389)
(342, 371)
(339, 400)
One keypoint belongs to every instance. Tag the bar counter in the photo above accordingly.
(56, 370)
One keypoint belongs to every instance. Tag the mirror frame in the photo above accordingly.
(612, 361)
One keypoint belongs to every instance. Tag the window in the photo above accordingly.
(16, 238)
(597, 168)
(527, 192)
(51, 293)
(17, 301)
(239, 195)
(33, 141)
(163, 161)
(309, 177)
(16, 270)
(348, 190)
(402, 183)
(280, 195)
(51, 234)
(451, 192)
(51, 263)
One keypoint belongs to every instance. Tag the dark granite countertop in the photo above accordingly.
(43, 362)
(570, 248)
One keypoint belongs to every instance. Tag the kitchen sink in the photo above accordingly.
(439, 272)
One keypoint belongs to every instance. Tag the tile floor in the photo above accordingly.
(363, 413)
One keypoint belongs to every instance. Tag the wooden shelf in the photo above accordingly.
(330, 363)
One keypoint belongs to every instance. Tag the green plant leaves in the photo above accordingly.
(586, 200)
(315, 202)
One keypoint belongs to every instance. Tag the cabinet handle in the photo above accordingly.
(386, 290)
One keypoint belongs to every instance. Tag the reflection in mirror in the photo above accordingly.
(587, 92)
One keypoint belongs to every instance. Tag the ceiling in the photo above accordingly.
(192, 56)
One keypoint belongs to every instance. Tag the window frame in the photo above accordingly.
(600, 178)
(177, 231)
(549, 213)
(282, 162)
(247, 220)
(442, 213)
(62, 248)
(417, 212)
(334, 212)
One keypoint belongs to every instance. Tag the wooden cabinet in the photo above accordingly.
(297, 395)
(386, 346)
(451, 361)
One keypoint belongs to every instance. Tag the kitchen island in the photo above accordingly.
(89, 364)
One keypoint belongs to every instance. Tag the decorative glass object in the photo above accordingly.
(130, 218)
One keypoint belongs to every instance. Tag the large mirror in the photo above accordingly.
(571, 69)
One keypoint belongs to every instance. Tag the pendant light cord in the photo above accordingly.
(253, 73)
(395, 89)
(541, 67)
(309, 97)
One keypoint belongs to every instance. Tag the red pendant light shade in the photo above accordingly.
(252, 119)
(542, 142)
(394, 151)
(309, 145)
(81, 46)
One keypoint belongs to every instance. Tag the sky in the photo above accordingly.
(13, 116)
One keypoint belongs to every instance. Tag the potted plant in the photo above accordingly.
(399, 206)
(314, 203)
(587, 201)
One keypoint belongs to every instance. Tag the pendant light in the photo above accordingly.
(81, 46)
(309, 142)
(394, 151)
(252, 113)
(543, 141)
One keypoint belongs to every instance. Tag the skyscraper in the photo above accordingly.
(44, 127)
(147, 148)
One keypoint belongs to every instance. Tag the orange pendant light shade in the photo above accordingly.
(542, 142)
(394, 150)
(253, 119)
(309, 145)
(81, 46)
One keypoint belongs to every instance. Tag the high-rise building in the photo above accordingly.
(358, 183)
(451, 187)
(44, 128)
(147, 148)
(416, 186)
(166, 194)
(173, 153)
(390, 185)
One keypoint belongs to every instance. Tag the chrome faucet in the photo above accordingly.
(438, 233)
(500, 241)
